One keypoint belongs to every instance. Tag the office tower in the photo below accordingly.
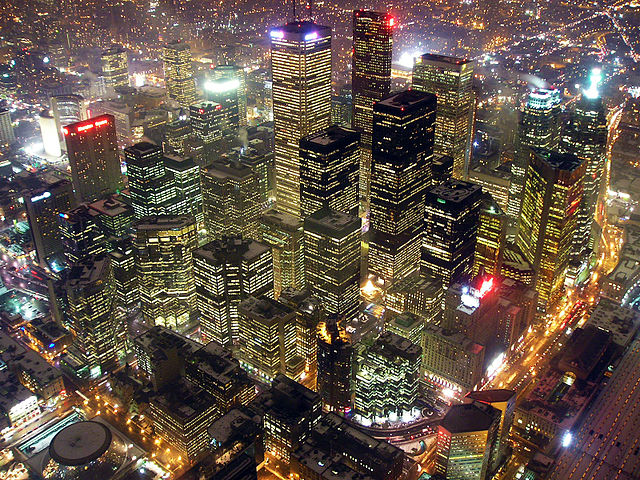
(387, 378)
(7, 136)
(505, 402)
(418, 294)
(93, 317)
(441, 168)
(451, 80)
(93, 157)
(267, 343)
(291, 411)
(406, 325)
(178, 73)
(123, 263)
(81, 234)
(301, 73)
(285, 234)
(585, 136)
(207, 121)
(228, 270)
(185, 175)
(491, 239)
(548, 219)
(230, 84)
(213, 369)
(403, 129)
(332, 261)
(150, 186)
(175, 134)
(538, 126)
(115, 68)
(450, 229)
(466, 442)
(336, 361)
(342, 109)
(114, 217)
(67, 109)
(338, 449)
(44, 204)
(370, 78)
(230, 200)
(164, 264)
(49, 134)
(329, 163)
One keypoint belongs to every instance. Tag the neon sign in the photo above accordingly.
(42, 196)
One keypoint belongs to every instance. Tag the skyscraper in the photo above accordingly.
(232, 79)
(93, 157)
(207, 121)
(285, 234)
(226, 271)
(491, 240)
(115, 68)
(81, 234)
(185, 174)
(548, 219)
(370, 78)
(450, 228)
(178, 73)
(539, 126)
(403, 133)
(451, 80)
(335, 367)
(301, 71)
(7, 137)
(164, 263)
(332, 261)
(329, 163)
(230, 200)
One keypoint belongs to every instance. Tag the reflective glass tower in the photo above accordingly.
(178, 73)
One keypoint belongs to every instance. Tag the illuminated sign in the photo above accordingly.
(223, 86)
(277, 34)
(84, 128)
(310, 36)
(392, 21)
(101, 122)
(42, 196)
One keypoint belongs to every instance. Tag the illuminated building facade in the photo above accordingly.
(301, 72)
(387, 378)
(176, 133)
(123, 263)
(549, 218)
(329, 163)
(185, 175)
(114, 217)
(164, 262)
(93, 157)
(539, 126)
(370, 78)
(332, 261)
(231, 80)
(49, 134)
(81, 234)
(495, 181)
(67, 109)
(491, 240)
(450, 229)
(207, 119)
(178, 73)
(451, 80)
(230, 200)
(407, 325)
(336, 361)
(419, 294)
(226, 271)
(7, 137)
(284, 233)
(93, 318)
(467, 441)
(44, 205)
(115, 68)
(403, 133)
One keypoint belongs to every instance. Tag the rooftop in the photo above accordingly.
(165, 222)
(455, 191)
(392, 345)
(264, 308)
(231, 249)
(469, 417)
(406, 101)
(560, 161)
(492, 396)
(330, 139)
(433, 58)
(621, 322)
(332, 223)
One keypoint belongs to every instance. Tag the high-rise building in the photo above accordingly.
(538, 126)
(230, 84)
(123, 263)
(49, 134)
(81, 234)
(7, 137)
(93, 157)
(226, 271)
(370, 78)
(301, 73)
(114, 217)
(175, 135)
(387, 378)
(491, 239)
(285, 234)
(67, 109)
(150, 186)
(451, 80)
(450, 229)
(115, 68)
(185, 174)
(230, 200)
(93, 318)
(407, 325)
(164, 263)
(403, 130)
(332, 261)
(466, 442)
(329, 163)
(548, 219)
(44, 204)
(178, 73)
(336, 361)
(419, 294)
(585, 136)
(207, 120)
